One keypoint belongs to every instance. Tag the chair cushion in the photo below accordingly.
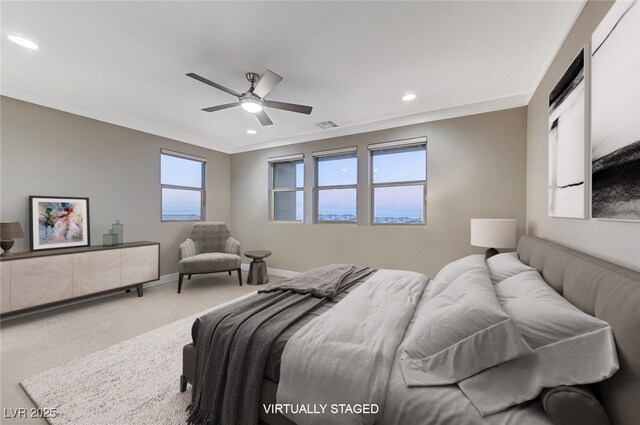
(209, 263)
(209, 236)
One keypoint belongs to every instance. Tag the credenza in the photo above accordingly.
(36, 279)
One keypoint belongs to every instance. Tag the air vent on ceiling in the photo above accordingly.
(326, 124)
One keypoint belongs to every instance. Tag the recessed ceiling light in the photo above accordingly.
(251, 132)
(24, 42)
(344, 169)
(408, 97)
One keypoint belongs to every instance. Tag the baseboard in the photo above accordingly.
(273, 272)
(165, 278)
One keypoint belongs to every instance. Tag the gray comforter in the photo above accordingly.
(233, 343)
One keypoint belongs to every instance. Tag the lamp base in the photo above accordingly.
(6, 246)
(490, 253)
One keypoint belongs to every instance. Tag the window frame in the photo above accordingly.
(317, 187)
(273, 190)
(202, 190)
(373, 186)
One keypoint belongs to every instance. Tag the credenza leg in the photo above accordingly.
(139, 289)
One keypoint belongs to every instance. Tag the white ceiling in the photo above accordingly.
(125, 62)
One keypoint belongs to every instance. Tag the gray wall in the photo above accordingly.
(48, 152)
(475, 169)
(616, 241)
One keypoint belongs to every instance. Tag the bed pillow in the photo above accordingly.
(503, 266)
(570, 347)
(453, 270)
(458, 333)
(573, 405)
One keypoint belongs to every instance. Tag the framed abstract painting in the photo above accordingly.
(58, 222)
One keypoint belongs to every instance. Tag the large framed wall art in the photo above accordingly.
(615, 114)
(567, 143)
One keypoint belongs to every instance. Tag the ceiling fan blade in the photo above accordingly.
(212, 84)
(264, 118)
(301, 109)
(266, 83)
(221, 107)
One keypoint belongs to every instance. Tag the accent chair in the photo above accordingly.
(209, 249)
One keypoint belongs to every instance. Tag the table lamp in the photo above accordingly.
(493, 233)
(9, 230)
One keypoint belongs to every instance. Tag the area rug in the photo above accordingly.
(134, 382)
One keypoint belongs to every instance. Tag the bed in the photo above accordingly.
(598, 288)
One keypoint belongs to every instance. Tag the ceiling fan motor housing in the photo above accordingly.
(252, 77)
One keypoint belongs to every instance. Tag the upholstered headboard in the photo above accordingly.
(606, 291)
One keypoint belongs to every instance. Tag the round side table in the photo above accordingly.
(258, 268)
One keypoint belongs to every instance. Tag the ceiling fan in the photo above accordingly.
(253, 100)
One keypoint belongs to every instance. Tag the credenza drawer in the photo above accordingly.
(41, 280)
(95, 272)
(139, 264)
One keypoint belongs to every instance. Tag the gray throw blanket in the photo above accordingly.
(321, 282)
(233, 343)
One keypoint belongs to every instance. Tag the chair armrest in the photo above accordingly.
(232, 246)
(187, 249)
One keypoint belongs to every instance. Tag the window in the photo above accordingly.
(398, 181)
(336, 180)
(182, 182)
(287, 188)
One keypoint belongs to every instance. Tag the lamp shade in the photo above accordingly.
(493, 233)
(10, 230)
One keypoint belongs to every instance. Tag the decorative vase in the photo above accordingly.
(118, 229)
(110, 239)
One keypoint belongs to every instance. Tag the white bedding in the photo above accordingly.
(446, 404)
(351, 355)
(345, 355)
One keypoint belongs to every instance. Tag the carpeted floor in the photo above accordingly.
(33, 344)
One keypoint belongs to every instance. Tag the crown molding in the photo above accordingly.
(508, 102)
(374, 125)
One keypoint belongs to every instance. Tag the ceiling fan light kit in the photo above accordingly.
(250, 104)
(253, 100)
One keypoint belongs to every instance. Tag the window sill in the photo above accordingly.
(397, 225)
(284, 222)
